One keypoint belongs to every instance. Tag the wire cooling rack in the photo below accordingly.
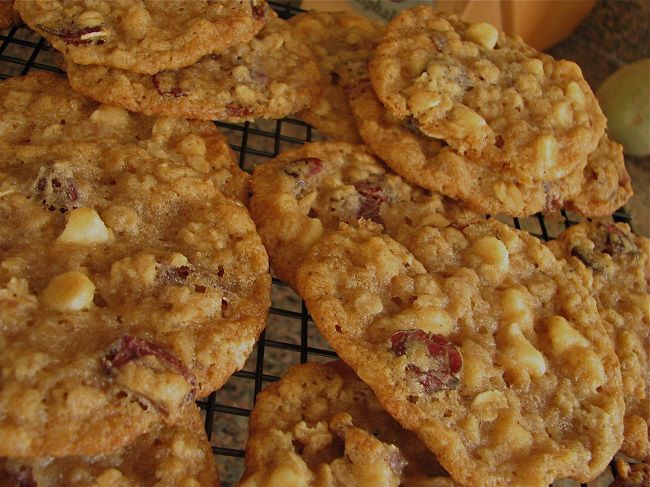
(290, 336)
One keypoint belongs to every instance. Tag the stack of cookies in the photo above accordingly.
(229, 60)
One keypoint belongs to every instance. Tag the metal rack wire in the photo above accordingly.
(291, 336)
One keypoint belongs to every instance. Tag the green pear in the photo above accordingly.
(625, 100)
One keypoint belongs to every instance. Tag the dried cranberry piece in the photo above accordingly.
(446, 361)
(589, 258)
(235, 110)
(305, 168)
(75, 37)
(371, 197)
(334, 78)
(131, 348)
(617, 242)
(56, 187)
(553, 201)
(175, 91)
(24, 477)
(440, 40)
(259, 11)
(362, 86)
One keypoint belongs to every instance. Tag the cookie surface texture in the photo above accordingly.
(143, 36)
(607, 184)
(8, 16)
(321, 425)
(129, 284)
(491, 97)
(305, 192)
(620, 264)
(166, 456)
(271, 76)
(427, 162)
(499, 361)
(343, 43)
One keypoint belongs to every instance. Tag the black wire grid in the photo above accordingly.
(290, 337)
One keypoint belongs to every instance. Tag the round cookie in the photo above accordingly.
(271, 76)
(343, 44)
(321, 425)
(129, 285)
(431, 164)
(620, 264)
(40, 110)
(168, 455)
(8, 16)
(499, 361)
(489, 96)
(305, 192)
(607, 184)
(141, 36)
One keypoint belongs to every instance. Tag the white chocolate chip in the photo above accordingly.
(285, 476)
(516, 308)
(311, 231)
(89, 18)
(85, 227)
(422, 101)
(483, 33)
(491, 250)
(563, 335)
(71, 291)
(487, 404)
(434, 320)
(111, 116)
(523, 352)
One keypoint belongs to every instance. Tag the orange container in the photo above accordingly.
(541, 23)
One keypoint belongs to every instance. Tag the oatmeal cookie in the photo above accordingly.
(499, 361)
(8, 16)
(489, 96)
(143, 36)
(431, 164)
(343, 44)
(169, 455)
(607, 184)
(271, 76)
(40, 109)
(620, 264)
(129, 285)
(321, 425)
(305, 192)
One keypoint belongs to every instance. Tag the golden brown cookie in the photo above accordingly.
(271, 76)
(166, 456)
(143, 36)
(499, 361)
(305, 192)
(607, 184)
(321, 425)
(619, 262)
(343, 44)
(129, 284)
(433, 165)
(489, 96)
(8, 16)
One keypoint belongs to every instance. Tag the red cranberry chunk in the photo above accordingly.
(444, 359)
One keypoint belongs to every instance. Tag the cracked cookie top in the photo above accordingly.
(499, 360)
(343, 44)
(177, 454)
(618, 263)
(321, 425)
(141, 36)
(305, 192)
(271, 76)
(489, 96)
(129, 284)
